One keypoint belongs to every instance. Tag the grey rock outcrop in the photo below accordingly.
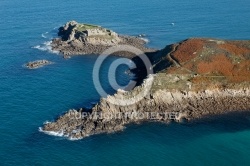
(80, 39)
(38, 63)
(88, 34)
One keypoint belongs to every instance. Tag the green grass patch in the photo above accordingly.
(84, 27)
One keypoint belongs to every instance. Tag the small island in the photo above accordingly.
(81, 39)
(37, 64)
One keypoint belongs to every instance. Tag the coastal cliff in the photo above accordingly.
(193, 79)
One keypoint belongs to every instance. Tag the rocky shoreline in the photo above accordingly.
(80, 39)
(163, 106)
(193, 79)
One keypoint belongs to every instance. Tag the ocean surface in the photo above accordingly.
(30, 97)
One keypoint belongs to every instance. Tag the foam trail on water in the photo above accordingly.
(46, 46)
(144, 39)
(46, 122)
(73, 139)
(53, 133)
(58, 134)
(44, 35)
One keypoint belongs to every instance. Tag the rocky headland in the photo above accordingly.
(195, 78)
(37, 64)
(80, 39)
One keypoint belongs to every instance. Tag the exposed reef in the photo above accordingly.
(80, 39)
(193, 79)
(37, 64)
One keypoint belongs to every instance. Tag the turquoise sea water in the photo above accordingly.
(30, 97)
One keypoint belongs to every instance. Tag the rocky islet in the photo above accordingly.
(80, 39)
(37, 64)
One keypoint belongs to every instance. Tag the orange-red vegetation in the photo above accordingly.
(235, 49)
(190, 66)
(241, 72)
(188, 50)
(219, 64)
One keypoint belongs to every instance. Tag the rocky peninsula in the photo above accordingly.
(195, 78)
(80, 39)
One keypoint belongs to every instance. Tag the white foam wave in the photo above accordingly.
(144, 39)
(73, 139)
(46, 46)
(53, 133)
(40, 48)
(46, 122)
(44, 35)
(58, 134)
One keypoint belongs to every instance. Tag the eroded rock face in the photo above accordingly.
(76, 38)
(88, 34)
(162, 105)
(195, 78)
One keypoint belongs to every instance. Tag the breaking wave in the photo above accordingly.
(53, 133)
(58, 134)
(46, 46)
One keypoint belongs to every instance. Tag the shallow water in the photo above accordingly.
(30, 97)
